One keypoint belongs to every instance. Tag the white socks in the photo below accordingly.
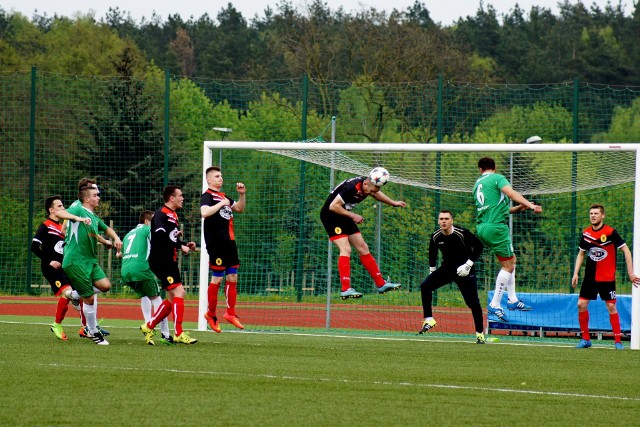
(511, 287)
(90, 314)
(145, 305)
(502, 282)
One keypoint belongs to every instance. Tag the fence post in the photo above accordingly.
(32, 175)
(167, 101)
(574, 176)
(299, 254)
(438, 157)
(439, 141)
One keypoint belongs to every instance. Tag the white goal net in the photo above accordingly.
(288, 270)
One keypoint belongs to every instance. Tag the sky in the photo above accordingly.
(444, 12)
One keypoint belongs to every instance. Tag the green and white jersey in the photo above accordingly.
(81, 240)
(135, 250)
(491, 203)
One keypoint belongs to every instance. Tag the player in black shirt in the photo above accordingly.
(48, 245)
(163, 261)
(460, 250)
(217, 209)
(341, 226)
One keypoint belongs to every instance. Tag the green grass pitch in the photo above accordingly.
(260, 379)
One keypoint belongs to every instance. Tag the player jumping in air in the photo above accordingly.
(340, 224)
(491, 193)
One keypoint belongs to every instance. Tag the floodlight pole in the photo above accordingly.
(223, 134)
(531, 140)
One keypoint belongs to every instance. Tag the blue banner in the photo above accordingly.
(559, 312)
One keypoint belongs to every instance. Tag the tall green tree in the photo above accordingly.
(126, 154)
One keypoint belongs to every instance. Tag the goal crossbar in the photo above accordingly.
(345, 146)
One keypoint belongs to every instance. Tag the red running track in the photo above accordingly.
(270, 315)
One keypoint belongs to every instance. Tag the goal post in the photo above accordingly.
(538, 170)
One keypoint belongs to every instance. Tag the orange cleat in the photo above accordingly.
(84, 332)
(233, 320)
(213, 323)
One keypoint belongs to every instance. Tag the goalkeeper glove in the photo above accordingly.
(431, 269)
(465, 268)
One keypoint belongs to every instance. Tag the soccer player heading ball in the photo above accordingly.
(341, 225)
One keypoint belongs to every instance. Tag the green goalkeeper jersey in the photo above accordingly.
(135, 249)
(81, 240)
(491, 203)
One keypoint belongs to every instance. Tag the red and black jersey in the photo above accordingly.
(165, 240)
(601, 247)
(350, 191)
(48, 242)
(219, 226)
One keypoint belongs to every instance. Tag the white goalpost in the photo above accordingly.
(432, 173)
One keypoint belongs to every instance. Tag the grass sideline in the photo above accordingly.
(295, 379)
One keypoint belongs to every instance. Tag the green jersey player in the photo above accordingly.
(84, 330)
(492, 192)
(138, 276)
(80, 261)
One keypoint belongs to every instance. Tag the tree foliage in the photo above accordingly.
(126, 136)
(534, 46)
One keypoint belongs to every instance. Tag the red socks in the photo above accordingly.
(178, 314)
(163, 311)
(212, 296)
(231, 292)
(583, 319)
(344, 270)
(61, 309)
(615, 326)
(371, 265)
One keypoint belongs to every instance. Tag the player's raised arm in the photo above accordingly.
(519, 198)
(239, 205)
(381, 197)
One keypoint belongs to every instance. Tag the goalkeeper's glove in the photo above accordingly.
(431, 269)
(465, 268)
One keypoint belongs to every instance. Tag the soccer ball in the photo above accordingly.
(379, 176)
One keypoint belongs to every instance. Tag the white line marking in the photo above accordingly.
(343, 381)
(426, 339)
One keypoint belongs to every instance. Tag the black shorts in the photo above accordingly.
(590, 290)
(169, 275)
(337, 225)
(467, 285)
(56, 278)
(222, 255)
